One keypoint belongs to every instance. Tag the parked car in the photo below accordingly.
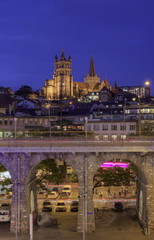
(118, 206)
(60, 206)
(42, 194)
(47, 206)
(64, 195)
(55, 189)
(53, 195)
(5, 215)
(6, 206)
(67, 189)
(74, 206)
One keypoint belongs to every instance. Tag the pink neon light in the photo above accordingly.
(115, 164)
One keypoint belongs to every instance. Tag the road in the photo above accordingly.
(109, 226)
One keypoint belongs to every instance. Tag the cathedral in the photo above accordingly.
(62, 86)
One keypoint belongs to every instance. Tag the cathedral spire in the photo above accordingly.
(91, 68)
(62, 58)
(115, 85)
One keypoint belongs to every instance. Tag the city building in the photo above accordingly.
(140, 91)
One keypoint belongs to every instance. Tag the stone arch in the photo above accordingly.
(35, 159)
(5, 160)
(143, 163)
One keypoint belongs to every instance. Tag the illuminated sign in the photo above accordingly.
(115, 164)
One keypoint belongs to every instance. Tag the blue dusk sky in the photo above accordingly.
(119, 34)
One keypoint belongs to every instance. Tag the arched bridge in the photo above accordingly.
(22, 157)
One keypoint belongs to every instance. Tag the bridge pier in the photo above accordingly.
(86, 222)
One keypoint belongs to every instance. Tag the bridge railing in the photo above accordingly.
(67, 141)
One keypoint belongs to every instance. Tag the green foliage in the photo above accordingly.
(2, 168)
(23, 91)
(147, 128)
(73, 177)
(48, 171)
(115, 176)
(5, 182)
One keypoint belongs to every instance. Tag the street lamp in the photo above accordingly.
(49, 123)
(147, 83)
(86, 120)
(15, 130)
(139, 119)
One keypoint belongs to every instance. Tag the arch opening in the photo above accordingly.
(120, 189)
(52, 191)
(6, 195)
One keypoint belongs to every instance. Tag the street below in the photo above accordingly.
(110, 225)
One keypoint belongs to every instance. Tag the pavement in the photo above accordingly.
(109, 226)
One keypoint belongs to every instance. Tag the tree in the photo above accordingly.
(2, 168)
(24, 91)
(49, 171)
(147, 128)
(115, 176)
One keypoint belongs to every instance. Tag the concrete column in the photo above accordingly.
(19, 216)
(145, 195)
(85, 221)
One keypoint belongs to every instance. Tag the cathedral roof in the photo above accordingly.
(91, 68)
(81, 84)
(104, 89)
(96, 87)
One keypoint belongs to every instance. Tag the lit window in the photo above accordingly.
(114, 137)
(105, 137)
(123, 137)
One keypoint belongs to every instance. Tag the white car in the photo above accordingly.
(5, 216)
(53, 195)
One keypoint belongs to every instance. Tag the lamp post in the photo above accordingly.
(86, 120)
(124, 116)
(139, 119)
(85, 199)
(49, 123)
(15, 130)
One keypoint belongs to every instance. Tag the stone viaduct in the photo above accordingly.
(21, 158)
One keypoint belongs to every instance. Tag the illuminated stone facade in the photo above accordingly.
(61, 85)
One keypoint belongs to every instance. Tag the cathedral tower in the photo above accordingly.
(61, 85)
(92, 78)
(63, 79)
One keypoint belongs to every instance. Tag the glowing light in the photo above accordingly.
(115, 164)
(147, 83)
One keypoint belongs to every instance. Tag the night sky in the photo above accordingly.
(119, 34)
